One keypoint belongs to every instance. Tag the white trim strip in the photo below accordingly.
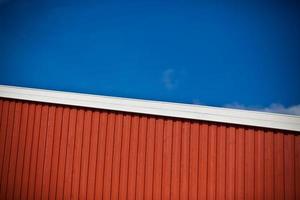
(207, 113)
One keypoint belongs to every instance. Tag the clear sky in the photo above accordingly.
(221, 54)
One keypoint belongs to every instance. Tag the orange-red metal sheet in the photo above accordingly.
(51, 151)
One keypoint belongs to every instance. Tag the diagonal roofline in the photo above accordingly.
(179, 110)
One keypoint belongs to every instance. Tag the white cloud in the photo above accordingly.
(168, 79)
(239, 106)
(274, 108)
(278, 108)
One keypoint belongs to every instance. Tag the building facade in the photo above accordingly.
(60, 145)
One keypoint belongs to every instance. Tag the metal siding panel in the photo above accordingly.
(77, 154)
(21, 150)
(185, 157)
(84, 165)
(62, 153)
(93, 155)
(34, 152)
(3, 131)
(269, 165)
(140, 181)
(176, 151)
(7, 145)
(249, 164)
(194, 155)
(108, 156)
(230, 164)
(167, 159)
(240, 164)
(116, 157)
(48, 152)
(54, 152)
(101, 155)
(70, 154)
(27, 151)
(14, 151)
(1, 108)
(211, 161)
(41, 152)
(125, 157)
(289, 166)
(149, 158)
(279, 166)
(259, 164)
(221, 162)
(297, 166)
(203, 161)
(133, 158)
(158, 159)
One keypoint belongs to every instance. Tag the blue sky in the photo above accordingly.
(243, 55)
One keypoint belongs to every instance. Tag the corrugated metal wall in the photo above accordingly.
(54, 152)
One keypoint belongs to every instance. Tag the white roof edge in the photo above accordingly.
(187, 111)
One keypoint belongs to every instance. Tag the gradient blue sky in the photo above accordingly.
(220, 54)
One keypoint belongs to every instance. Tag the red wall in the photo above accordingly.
(53, 151)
